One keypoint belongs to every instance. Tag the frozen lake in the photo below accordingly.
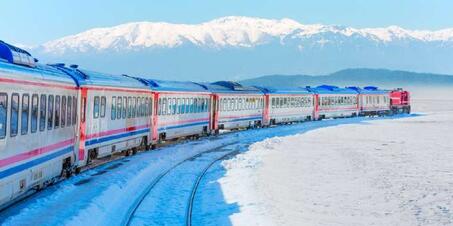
(383, 172)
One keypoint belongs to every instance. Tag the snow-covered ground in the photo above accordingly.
(382, 172)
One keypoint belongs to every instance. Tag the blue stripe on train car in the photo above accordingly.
(240, 119)
(113, 137)
(184, 125)
(35, 162)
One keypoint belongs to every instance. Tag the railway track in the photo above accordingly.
(197, 184)
(128, 219)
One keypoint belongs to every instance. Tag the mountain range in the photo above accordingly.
(355, 77)
(237, 48)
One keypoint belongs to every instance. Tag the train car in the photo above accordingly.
(115, 114)
(37, 123)
(236, 106)
(288, 105)
(335, 102)
(400, 101)
(373, 101)
(182, 110)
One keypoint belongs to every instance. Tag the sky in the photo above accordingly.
(35, 22)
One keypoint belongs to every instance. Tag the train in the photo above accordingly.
(56, 119)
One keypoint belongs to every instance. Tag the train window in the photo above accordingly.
(24, 114)
(42, 113)
(50, 104)
(103, 106)
(164, 106)
(63, 111)
(96, 107)
(273, 102)
(134, 107)
(74, 110)
(57, 111)
(124, 108)
(141, 109)
(3, 114)
(14, 115)
(128, 104)
(34, 113)
(206, 108)
(69, 111)
(113, 110)
(119, 107)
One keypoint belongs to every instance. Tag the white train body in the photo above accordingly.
(37, 127)
(373, 101)
(334, 102)
(240, 110)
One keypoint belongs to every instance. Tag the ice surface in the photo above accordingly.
(383, 172)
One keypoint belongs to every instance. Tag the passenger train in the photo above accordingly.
(57, 119)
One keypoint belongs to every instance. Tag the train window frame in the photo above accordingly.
(24, 126)
(124, 108)
(34, 113)
(13, 131)
(119, 107)
(69, 111)
(63, 111)
(3, 120)
(50, 111)
(57, 113)
(103, 106)
(113, 108)
(43, 109)
(134, 107)
(96, 107)
(74, 110)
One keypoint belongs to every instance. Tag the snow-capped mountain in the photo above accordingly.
(228, 32)
(237, 47)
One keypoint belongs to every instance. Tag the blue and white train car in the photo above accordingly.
(183, 109)
(335, 102)
(289, 105)
(373, 101)
(37, 123)
(115, 114)
(236, 106)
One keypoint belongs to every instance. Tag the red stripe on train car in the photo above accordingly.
(35, 152)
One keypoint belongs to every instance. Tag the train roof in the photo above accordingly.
(287, 90)
(230, 87)
(19, 62)
(86, 77)
(328, 89)
(173, 86)
(369, 90)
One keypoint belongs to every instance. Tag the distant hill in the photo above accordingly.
(355, 77)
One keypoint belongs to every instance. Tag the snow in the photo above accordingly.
(380, 172)
(232, 31)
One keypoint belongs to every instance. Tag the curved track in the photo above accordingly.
(197, 183)
(127, 220)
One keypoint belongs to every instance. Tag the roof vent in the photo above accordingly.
(372, 88)
(15, 55)
(75, 66)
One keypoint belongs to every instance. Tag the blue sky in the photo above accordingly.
(34, 22)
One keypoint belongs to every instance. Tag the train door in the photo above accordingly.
(266, 110)
(155, 115)
(214, 117)
(82, 127)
